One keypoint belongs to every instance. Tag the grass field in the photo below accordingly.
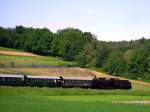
(26, 61)
(26, 99)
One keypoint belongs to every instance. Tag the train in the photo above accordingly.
(64, 82)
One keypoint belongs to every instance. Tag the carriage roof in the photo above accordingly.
(11, 75)
(78, 78)
(43, 77)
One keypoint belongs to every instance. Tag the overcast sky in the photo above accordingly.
(108, 19)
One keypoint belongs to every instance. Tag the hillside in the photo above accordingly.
(18, 62)
(130, 59)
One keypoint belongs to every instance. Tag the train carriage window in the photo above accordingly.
(34, 80)
(3, 78)
(80, 82)
(22, 79)
(44, 80)
(38, 80)
(13, 79)
(6, 79)
(9, 79)
(41, 80)
(49, 81)
(16, 79)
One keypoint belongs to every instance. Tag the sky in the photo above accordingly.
(109, 20)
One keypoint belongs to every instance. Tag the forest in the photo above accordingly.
(130, 59)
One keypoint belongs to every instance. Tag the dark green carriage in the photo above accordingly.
(10, 79)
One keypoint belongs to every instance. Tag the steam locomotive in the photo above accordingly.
(64, 82)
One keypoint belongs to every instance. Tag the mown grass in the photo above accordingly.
(8, 90)
(44, 104)
(27, 99)
(26, 61)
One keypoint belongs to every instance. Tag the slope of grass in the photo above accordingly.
(25, 61)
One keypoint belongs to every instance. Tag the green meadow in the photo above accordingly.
(27, 99)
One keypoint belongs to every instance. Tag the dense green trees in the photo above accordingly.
(138, 64)
(102, 56)
(70, 43)
(115, 64)
(125, 58)
(88, 56)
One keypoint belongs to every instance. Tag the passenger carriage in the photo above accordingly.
(13, 80)
(77, 82)
(42, 81)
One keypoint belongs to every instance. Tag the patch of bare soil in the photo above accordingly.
(16, 53)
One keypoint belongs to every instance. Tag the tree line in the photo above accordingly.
(129, 59)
